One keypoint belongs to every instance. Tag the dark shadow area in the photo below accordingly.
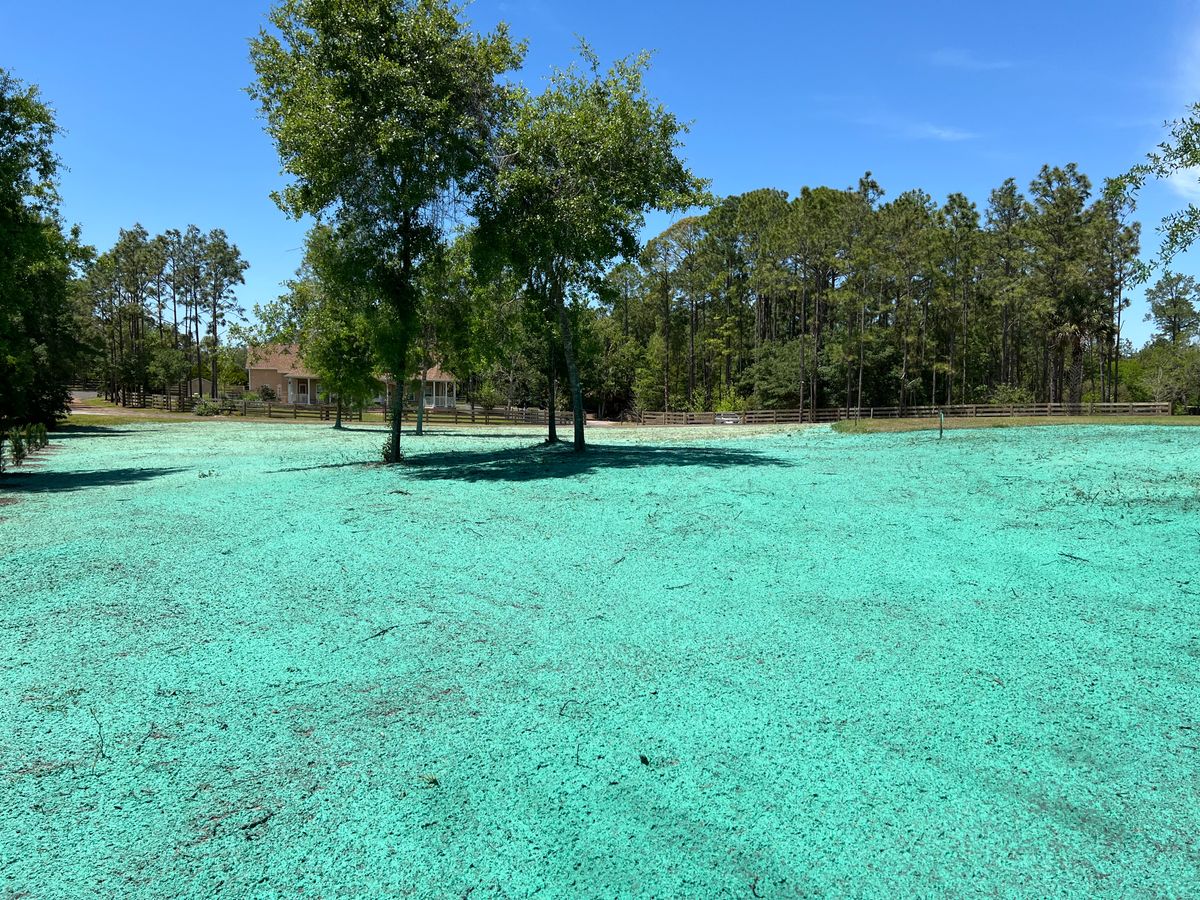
(439, 431)
(472, 433)
(539, 461)
(58, 482)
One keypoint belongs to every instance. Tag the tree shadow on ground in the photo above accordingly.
(59, 482)
(541, 462)
(518, 431)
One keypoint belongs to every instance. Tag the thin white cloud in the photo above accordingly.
(1187, 66)
(927, 131)
(1186, 183)
(916, 129)
(966, 61)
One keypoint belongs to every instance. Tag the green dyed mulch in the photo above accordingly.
(241, 660)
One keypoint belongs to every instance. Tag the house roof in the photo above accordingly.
(285, 359)
(435, 373)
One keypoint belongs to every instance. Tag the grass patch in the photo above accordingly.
(893, 426)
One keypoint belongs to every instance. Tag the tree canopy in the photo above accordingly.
(580, 166)
(39, 333)
(383, 113)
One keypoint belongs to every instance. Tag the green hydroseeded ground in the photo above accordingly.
(241, 660)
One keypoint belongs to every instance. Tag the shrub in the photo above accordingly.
(267, 394)
(732, 403)
(36, 437)
(17, 450)
(488, 396)
(207, 408)
(1018, 396)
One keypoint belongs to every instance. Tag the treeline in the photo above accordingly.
(838, 297)
(832, 297)
(154, 308)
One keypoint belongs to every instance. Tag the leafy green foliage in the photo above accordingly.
(582, 164)
(40, 340)
(1177, 158)
(381, 111)
(835, 297)
(1173, 307)
(156, 306)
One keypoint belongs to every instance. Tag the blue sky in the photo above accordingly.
(942, 96)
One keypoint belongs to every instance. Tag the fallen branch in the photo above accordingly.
(100, 754)
(262, 820)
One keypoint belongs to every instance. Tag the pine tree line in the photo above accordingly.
(157, 305)
(835, 297)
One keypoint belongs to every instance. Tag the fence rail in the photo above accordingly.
(328, 411)
(455, 416)
(959, 411)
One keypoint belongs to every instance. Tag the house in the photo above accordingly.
(441, 390)
(281, 368)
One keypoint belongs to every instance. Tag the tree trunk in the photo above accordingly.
(862, 329)
(691, 389)
(1116, 386)
(212, 386)
(199, 365)
(551, 400)
(338, 420)
(421, 404)
(564, 327)
(393, 455)
(1076, 376)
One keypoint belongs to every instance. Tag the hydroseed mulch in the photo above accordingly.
(242, 660)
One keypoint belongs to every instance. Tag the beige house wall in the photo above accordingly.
(272, 379)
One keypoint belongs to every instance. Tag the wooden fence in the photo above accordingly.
(959, 411)
(328, 411)
(255, 408)
(456, 416)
